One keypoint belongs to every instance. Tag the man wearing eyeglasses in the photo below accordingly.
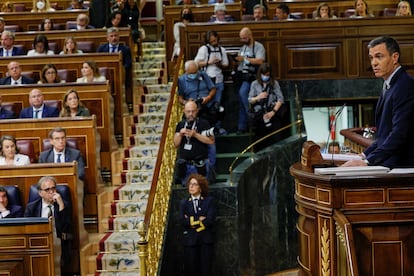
(60, 153)
(51, 204)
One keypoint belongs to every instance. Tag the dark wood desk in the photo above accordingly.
(362, 224)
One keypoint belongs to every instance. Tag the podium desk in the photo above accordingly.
(354, 225)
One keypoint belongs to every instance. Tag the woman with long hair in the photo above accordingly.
(10, 153)
(70, 46)
(49, 74)
(42, 6)
(72, 106)
(90, 73)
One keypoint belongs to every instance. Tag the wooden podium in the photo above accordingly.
(354, 225)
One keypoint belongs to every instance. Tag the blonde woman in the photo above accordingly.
(70, 46)
(42, 6)
(72, 106)
(361, 9)
(90, 73)
(403, 9)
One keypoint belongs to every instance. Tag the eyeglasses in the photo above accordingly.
(50, 189)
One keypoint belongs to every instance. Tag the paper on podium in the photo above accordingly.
(402, 170)
(353, 171)
(340, 157)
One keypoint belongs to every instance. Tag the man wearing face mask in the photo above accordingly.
(212, 58)
(249, 58)
(42, 6)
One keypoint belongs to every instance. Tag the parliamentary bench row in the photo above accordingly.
(23, 178)
(81, 129)
(96, 97)
(112, 62)
(27, 5)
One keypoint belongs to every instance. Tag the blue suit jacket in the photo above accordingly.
(48, 111)
(70, 155)
(126, 53)
(15, 52)
(393, 118)
(7, 80)
(6, 114)
(207, 209)
(16, 211)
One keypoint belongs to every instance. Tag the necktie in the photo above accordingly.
(50, 214)
(59, 160)
(36, 113)
(196, 205)
(16, 83)
(7, 53)
(112, 49)
(385, 87)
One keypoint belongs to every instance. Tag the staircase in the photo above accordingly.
(114, 250)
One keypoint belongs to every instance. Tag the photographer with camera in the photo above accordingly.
(193, 136)
(249, 58)
(267, 110)
(212, 58)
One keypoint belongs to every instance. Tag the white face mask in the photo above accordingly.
(40, 5)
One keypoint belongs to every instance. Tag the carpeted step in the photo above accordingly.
(118, 262)
(151, 108)
(150, 118)
(145, 139)
(156, 98)
(153, 51)
(125, 241)
(148, 80)
(140, 163)
(147, 129)
(137, 177)
(158, 88)
(129, 223)
(141, 151)
(149, 65)
(133, 192)
(153, 58)
(153, 45)
(149, 73)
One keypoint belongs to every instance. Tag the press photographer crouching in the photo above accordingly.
(266, 106)
(193, 136)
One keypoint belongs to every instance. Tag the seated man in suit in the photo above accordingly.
(7, 41)
(6, 210)
(51, 204)
(4, 113)
(60, 153)
(37, 108)
(15, 75)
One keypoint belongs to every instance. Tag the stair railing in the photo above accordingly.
(250, 147)
(160, 193)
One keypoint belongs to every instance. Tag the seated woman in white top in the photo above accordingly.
(90, 73)
(70, 46)
(10, 153)
(40, 46)
(42, 6)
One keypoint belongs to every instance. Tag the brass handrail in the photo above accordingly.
(298, 122)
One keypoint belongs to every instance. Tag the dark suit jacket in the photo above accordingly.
(48, 111)
(393, 118)
(16, 211)
(6, 114)
(70, 155)
(63, 219)
(7, 80)
(207, 208)
(15, 52)
(126, 53)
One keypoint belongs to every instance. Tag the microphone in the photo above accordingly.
(332, 128)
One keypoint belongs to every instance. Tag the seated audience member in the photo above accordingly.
(114, 46)
(51, 204)
(114, 20)
(37, 108)
(187, 2)
(82, 22)
(76, 5)
(72, 106)
(70, 46)
(49, 75)
(6, 210)
(259, 12)
(90, 73)
(4, 113)
(186, 17)
(361, 9)
(10, 153)
(324, 12)
(15, 76)
(283, 13)
(2, 24)
(8, 7)
(248, 6)
(60, 153)
(42, 6)
(403, 9)
(8, 49)
(220, 1)
(40, 46)
(46, 25)
(220, 14)
(334, 147)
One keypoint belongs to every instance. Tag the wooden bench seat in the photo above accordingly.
(66, 174)
(73, 63)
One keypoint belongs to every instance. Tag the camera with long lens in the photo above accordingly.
(209, 132)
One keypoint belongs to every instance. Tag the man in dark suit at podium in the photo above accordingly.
(394, 112)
